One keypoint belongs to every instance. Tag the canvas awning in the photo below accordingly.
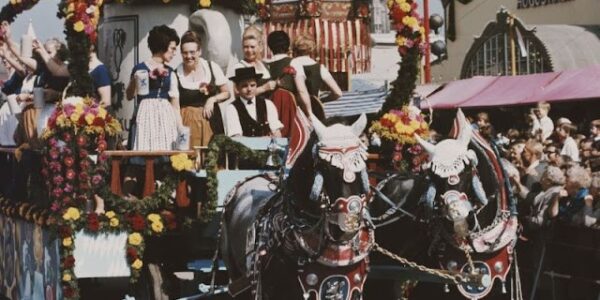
(489, 91)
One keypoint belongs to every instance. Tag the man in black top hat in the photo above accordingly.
(249, 115)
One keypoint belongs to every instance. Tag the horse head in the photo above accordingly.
(333, 185)
(453, 175)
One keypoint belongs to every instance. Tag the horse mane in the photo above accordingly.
(491, 185)
(302, 173)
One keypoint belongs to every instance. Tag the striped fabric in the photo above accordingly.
(356, 103)
(342, 45)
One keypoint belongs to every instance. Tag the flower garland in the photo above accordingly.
(138, 225)
(400, 127)
(220, 145)
(74, 133)
(14, 8)
(409, 38)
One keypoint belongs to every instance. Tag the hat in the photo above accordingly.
(563, 121)
(242, 74)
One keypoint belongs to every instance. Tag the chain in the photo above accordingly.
(455, 278)
(465, 248)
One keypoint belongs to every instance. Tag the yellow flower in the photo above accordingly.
(78, 26)
(75, 117)
(401, 41)
(71, 7)
(181, 162)
(137, 264)
(405, 7)
(89, 118)
(61, 120)
(72, 213)
(204, 3)
(153, 218)
(135, 239)
(400, 1)
(102, 113)
(414, 124)
(67, 277)
(110, 214)
(157, 226)
(67, 242)
(114, 222)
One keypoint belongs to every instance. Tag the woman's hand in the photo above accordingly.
(209, 107)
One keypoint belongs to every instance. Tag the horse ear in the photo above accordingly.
(465, 130)
(429, 147)
(318, 126)
(359, 126)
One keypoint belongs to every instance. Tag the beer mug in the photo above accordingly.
(183, 138)
(142, 81)
(38, 97)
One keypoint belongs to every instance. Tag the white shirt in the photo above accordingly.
(545, 124)
(570, 149)
(299, 62)
(233, 120)
(192, 82)
(8, 125)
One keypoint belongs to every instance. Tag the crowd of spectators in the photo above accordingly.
(556, 174)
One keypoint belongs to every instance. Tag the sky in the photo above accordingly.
(43, 17)
(47, 25)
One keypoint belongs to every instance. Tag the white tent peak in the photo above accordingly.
(30, 32)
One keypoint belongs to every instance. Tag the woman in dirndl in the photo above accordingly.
(157, 115)
(202, 85)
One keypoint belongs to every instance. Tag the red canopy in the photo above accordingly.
(482, 91)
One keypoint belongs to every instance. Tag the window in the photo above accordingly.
(491, 53)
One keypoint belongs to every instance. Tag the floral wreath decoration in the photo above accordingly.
(410, 35)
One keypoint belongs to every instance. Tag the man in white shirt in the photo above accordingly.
(249, 115)
(542, 124)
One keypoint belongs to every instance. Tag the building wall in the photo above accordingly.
(472, 18)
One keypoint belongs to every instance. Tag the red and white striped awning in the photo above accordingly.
(342, 46)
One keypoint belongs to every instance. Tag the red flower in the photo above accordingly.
(137, 222)
(169, 219)
(81, 140)
(92, 222)
(69, 262)
(132, 254)
(65, 231)
(289, 70)
(159, 73)
(69, 161)
(98, 122)
(102, 146)
(68, 291)
(83, 153)
(70, 174)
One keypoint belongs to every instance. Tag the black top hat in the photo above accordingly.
(242, 74)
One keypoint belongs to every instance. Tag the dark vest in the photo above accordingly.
(251, 127)
(313, 79)
(276, 69)
(194, 97)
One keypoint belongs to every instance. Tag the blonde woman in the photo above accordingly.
(309, 77)
(253, 51)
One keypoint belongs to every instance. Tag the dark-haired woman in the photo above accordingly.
(279, 66)
(157, 116)
(202, 85)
